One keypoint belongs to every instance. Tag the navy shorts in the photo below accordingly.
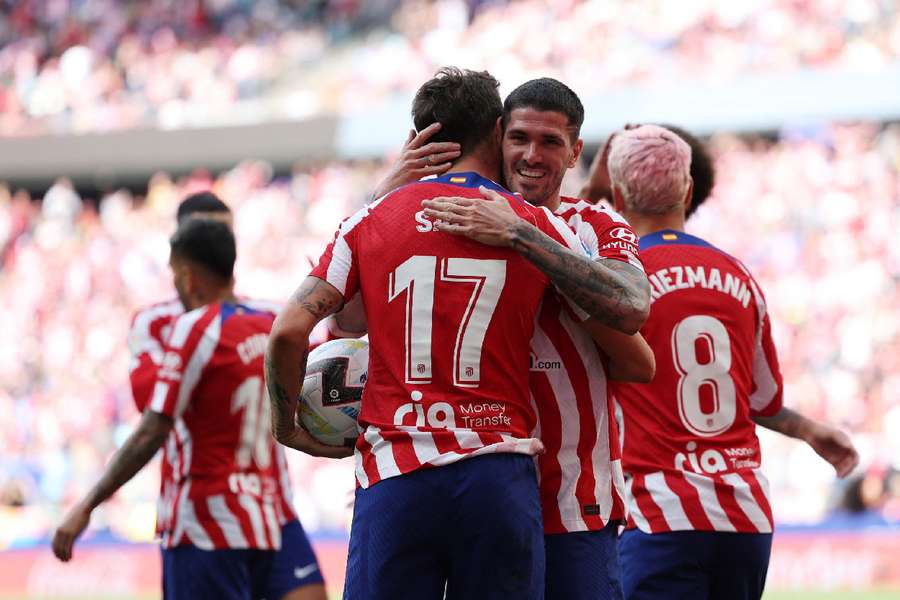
(295, 565)
(190, 573)
(471, 528)
(583, 565)
(694, 565)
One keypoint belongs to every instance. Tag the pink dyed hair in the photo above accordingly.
(651, 167)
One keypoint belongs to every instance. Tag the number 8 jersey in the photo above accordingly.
(450, 322)
(691, 455)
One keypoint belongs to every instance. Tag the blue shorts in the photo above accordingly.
(694, 565)
(295, 565)
(190, 573)
(583, 565)
(472, 528)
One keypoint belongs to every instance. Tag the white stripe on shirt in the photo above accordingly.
(744, 496)
(250, 505)
(227, 522)
(667, 501)
(706, 490)
(201, 356)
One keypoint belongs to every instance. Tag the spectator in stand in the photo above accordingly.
(108, 64)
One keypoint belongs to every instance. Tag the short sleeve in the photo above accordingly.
(766, 399)
(607, 235)
(766, 396)
(339, 264)
(187, 351)
(149, 327)
(561, 232)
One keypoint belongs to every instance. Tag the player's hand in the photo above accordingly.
(71, 528)
(835, 447)
(489, 221)
(300, 439)
(418, 159)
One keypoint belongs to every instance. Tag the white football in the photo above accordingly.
(336, 373)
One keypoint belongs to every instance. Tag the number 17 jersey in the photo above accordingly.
(450, 321)
(690, 452)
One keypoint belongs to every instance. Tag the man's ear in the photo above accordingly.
(576, 152)
(689, 196)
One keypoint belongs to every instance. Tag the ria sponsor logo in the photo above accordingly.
(538, 364)
(711, 461)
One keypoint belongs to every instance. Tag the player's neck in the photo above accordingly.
(476, 162)
(553, 202)
(647, 224)
(211, 296)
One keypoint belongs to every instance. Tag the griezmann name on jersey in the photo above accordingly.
(691, 449)
(450, 321)
(222, 485)
(582, 485)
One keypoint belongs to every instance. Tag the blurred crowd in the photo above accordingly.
(100, 65)
(814, 214)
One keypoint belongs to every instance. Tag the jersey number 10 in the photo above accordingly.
(416, 276)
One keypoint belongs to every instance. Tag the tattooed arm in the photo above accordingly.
(613, 292)
(286, 358)
(136, 452)
(830, 443)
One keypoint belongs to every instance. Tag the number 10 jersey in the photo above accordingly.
(450, 322)
(691, 455)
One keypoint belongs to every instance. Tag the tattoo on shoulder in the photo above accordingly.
(318, 297)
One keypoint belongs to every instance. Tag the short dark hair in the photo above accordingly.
(207, 243)
(201, 202)
(465, 103)
(703, 171)
(546, 94)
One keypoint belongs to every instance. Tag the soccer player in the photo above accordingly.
(700, 523)
(295, 574)
(581, 481)
(447, 495)
(219, 508)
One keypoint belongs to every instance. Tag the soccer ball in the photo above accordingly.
(336, 373)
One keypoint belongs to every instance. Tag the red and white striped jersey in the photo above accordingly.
(449, 324)
(150, 327)
(582, 487)
(222, 486)
(691, 453)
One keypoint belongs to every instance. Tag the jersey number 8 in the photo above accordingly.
(714, 375)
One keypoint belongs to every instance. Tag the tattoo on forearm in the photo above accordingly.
(131, 458)
(284, 406)
(317, 296)
(785, 421)
(616, 294)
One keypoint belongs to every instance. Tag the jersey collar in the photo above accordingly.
(670, 236)
(470, 179)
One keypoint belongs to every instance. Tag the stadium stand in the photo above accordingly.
(102, 65)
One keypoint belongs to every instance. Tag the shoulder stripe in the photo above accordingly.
(198, 361)
(183, 326)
